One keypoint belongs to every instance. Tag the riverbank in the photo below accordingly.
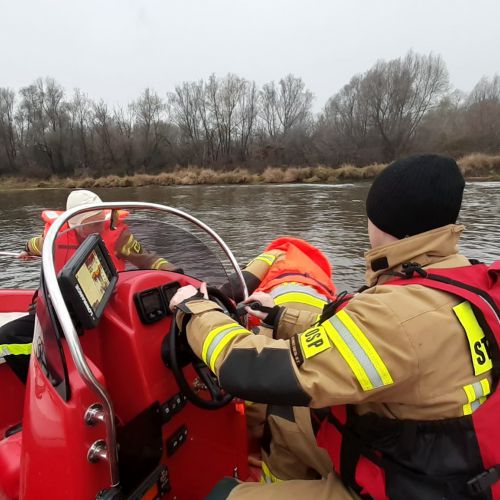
(474, 166)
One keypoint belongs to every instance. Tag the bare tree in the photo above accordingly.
(38, 130)
(285, 106)
(398, 93)
(269, 109)
(80, 110)
(149, 111)
(7, 127)
(345, 125)
(483, 113)
(124, 121)
(246, 118)
(395, 107)
(486, 90)
(103, 125)
(185, 113)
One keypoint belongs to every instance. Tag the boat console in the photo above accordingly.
(88, 280)
(116, 405)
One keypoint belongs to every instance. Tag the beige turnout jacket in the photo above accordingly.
(401, 351)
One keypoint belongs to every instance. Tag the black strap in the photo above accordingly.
(454, 483)
(474, 262)
(482, 482)
(411, 268)
(331, 308)
(184, 305)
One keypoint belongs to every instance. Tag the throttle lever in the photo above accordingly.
(255, 305)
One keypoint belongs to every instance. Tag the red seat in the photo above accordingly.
(10, 460)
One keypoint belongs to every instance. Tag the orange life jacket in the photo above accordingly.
(303, 266)
(67, 241)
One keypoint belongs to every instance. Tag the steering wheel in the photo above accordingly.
(177, 354)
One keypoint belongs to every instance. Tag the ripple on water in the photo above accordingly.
(248, 217)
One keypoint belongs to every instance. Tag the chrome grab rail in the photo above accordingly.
(57, 300)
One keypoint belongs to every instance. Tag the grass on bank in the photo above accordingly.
(474, 166)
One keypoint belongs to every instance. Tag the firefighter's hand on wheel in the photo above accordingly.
(265, 299)
(187, 292)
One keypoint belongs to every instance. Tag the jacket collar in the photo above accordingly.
(426, 248)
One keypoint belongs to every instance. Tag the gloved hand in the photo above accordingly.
(186, 292)
(265, 299)
(24, 255)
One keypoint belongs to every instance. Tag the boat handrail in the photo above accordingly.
(63, 315)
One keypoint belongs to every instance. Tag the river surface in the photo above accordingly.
(248, 217)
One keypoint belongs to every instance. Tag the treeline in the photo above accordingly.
(396, 107)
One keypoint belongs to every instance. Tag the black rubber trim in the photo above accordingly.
(222, 489)
(379, 264)
(285, 412)
(265, 377)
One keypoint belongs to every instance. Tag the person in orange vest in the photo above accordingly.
(121, 243)
(290, 275)
(293, 271)
(405, 369)
(16, 336)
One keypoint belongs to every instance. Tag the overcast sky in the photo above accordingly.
(113, 49)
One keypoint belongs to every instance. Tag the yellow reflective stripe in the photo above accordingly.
(467, 409)
(485, 385)
(300, 298)
(476, 395)
(33, 244)
(469, 391)
(357, 352)
(475, 335)
(158, 263)
(267, 475)
(213, 333)
(367, 347)
(127, 246)
(348, 356)
(15, 349)
(267, 258)
(222, 343)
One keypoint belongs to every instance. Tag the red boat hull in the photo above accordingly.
(48, 459)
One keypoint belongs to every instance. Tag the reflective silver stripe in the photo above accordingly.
(476, 395)
(285, 288)
(478, 389)
(475, 405)
(358, 352)
(217, 339)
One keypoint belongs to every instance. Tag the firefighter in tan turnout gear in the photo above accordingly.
(398, 366)
(16, 336)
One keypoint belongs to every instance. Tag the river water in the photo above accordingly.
(248, 217)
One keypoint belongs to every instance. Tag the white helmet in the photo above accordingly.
(78, 198)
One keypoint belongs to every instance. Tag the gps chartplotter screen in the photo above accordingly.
(87, 281)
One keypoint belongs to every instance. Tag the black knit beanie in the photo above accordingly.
(416, 194)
